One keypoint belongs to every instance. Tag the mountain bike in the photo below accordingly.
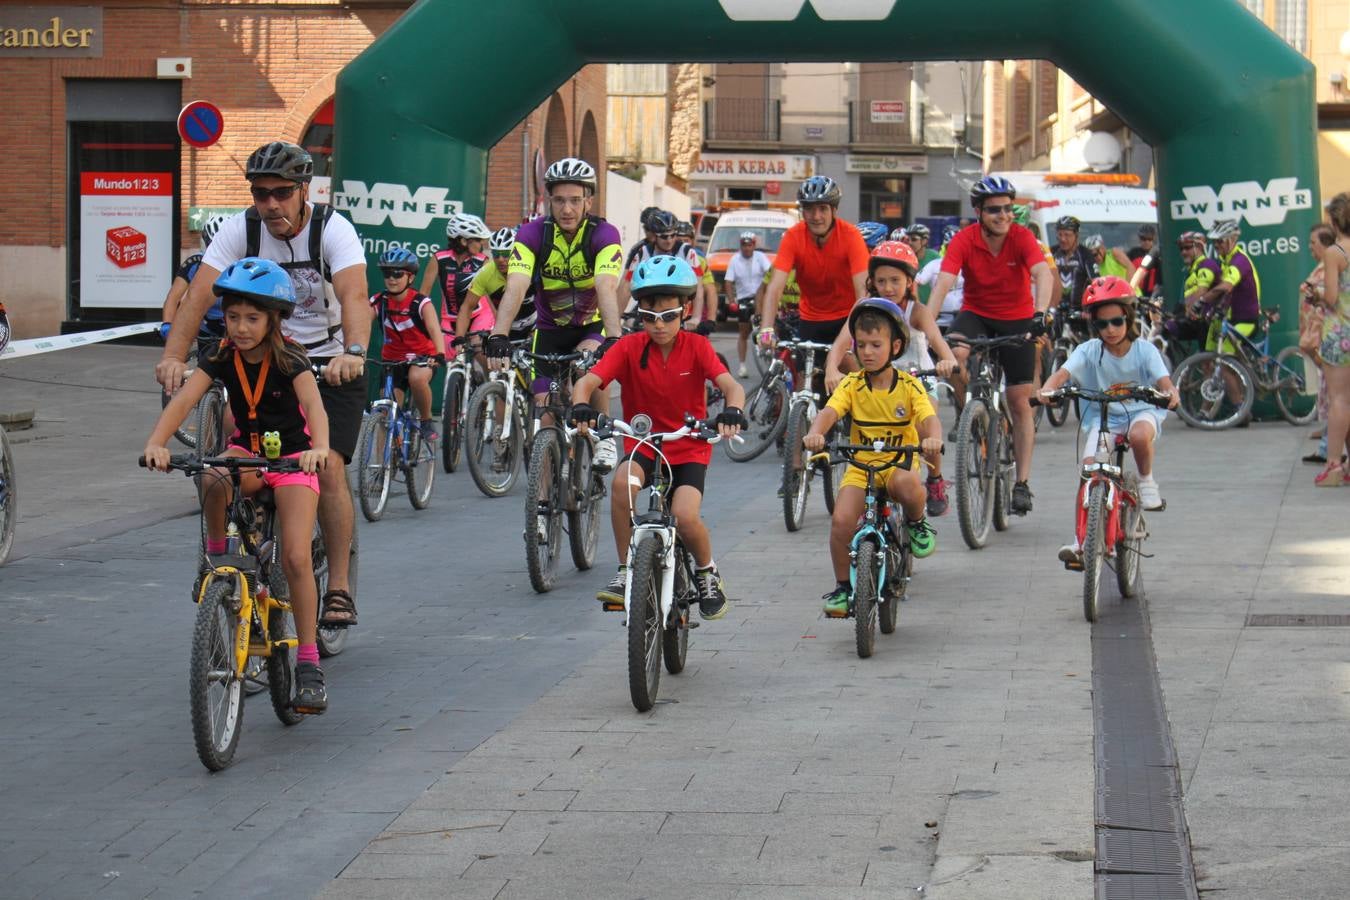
(798, 471)
(391, 446)
(9, 497)
(1218, 389)
(882, 563)
(766, 406)
(462, 378)
(499, 426)
(985, 467)
(660, 586)
(562, 480)
(1069, 330)
(243, 611)
(1109, 525)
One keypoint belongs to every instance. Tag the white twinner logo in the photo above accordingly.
(787, 10)
(394, 202)
(1243, 200)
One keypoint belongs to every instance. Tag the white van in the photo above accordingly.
(1111, 205)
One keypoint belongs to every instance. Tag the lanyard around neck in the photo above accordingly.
(252, 394)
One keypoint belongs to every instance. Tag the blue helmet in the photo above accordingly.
(399, 258)
(662, 222)
(873, 233)
(948, 233)
(664, 276)
(260, 281)
(819, 189)
(991, 186)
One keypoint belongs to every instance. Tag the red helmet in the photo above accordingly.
(1111, 289)
(894, 253)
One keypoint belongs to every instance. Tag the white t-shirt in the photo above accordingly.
(316, 306)
(951, 304)
(916, 353)
(747, 274)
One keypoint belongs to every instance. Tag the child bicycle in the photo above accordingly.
(462, 378)
(882, 563)
(243, 612)
(392, 446)
(797, 473)
(1109, 524)
(660, 587)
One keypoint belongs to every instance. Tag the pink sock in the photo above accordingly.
(215, 547)
(308, 653)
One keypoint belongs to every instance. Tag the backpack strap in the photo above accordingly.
(252, 231)
(319, 217)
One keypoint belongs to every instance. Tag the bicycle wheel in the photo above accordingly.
(210, 430)
(897, 585)
(974, 474)
(1129, 548)
(451, 418)
(9, 498)
(372, 472)
(675, 636)
(493, 463)
(420, 457)
(186, 431)
(1057, 413)
(766, 409)
(865, 571)
(1298, 381)
(543, 511)
(644, 623)
(1094, 549)
(588, 488)
(1004, 474)
(281, 665)
(215, 692)
(1206, 383)
(796, 474)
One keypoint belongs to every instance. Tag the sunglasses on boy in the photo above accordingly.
(669, 316)
(1113, 322)
(390, 274)
(285, 192)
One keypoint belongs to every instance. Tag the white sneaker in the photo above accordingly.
(1071, 553)
(742, 372)
(1149, 495)
(606, 456)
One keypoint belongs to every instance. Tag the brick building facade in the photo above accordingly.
(270, 67)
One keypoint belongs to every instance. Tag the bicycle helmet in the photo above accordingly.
(663, 276)
(991, 186)
(399, 258)
(918, 229)
(948, 233)
(662, 222)
(819, 189)
(888, 309)
(1094, 242)
(1191, 237)
(502, 240)
(1108, 289)
(893, 253)
(465, 225)
(1148, 231)
(1021, 214)
(280, 159)
(260, 281)
(873, 233)
(1068, 223)
(1225, 228)
(898, 234)
(748, 237)
(684, 230)
(210, 229)
(570, 171)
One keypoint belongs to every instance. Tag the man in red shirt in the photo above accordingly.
(830, 258)
(999, 260)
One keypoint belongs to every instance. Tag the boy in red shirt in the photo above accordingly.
(663, 370)
(411, 328)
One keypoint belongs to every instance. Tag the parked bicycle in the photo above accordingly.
(798, 470)
(661, 586)
(498, 426)
(1109, 525)
(9, 497)
(1219, 389)
(391, 446)
(766, 405)
(985, 467)
(462, 378)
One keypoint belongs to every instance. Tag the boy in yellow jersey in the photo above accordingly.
(884, 404)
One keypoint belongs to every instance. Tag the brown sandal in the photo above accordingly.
(339, 609)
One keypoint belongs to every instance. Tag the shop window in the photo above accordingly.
(884, 200)
(944, 207)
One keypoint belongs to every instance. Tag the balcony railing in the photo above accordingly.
(747, 119)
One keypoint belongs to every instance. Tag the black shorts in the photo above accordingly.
(1018, 360)
(821, 333)
(345, 405)
(692, 474)
(559, 340)
(745, 309)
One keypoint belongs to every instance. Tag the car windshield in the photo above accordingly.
(766, 238)
(1124, 235)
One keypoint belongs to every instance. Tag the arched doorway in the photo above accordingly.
(588, 148)
(556, 139)
(318, 139)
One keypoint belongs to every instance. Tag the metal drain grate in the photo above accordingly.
(1138, 797)
(1144, 887)
(1140, 852)
(1277, 620)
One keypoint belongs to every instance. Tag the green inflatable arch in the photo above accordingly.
(1227, 106)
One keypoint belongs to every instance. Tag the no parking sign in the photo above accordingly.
(200, 124)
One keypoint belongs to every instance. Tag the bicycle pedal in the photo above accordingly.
(610, 606)
(1073, 567)
(830, 614)
(308, 710)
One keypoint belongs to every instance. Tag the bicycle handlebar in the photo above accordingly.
(981, 343)
(192, 464)
(900, 453)
(1148, 395)
(699, 429)
(796, 344)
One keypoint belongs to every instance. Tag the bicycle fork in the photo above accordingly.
(666, 535)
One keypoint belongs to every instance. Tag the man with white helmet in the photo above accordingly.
(745, 273)
(487, 288)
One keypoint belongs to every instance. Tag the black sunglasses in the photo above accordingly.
(284, 192)
(995, 210)
(666, 235)
(669, 316)
(1113, 322)
(394, 273)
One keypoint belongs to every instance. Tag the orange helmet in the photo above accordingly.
(1110, 289)
(894, 253)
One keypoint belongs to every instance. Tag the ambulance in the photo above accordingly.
(767, 221)
(1111, 205)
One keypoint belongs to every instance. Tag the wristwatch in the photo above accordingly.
(355, 350)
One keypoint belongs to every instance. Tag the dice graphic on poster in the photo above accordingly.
(126, 247)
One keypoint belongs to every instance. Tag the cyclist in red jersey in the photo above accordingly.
(1000, 260)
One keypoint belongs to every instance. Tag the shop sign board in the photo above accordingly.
(127, 256)
(753, 167)
(51, 31)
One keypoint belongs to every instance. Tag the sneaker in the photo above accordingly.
(1021, 499)
(922, 538)
(937, 496)
(310, 695)
(500, 461)
(612, 593)
(712, 601)
(606, 455)
(742, 372)
(1149, 495)
(429, 432)
(1071, 555)
(836, 602)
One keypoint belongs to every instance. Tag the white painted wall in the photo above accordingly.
(625, 199)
